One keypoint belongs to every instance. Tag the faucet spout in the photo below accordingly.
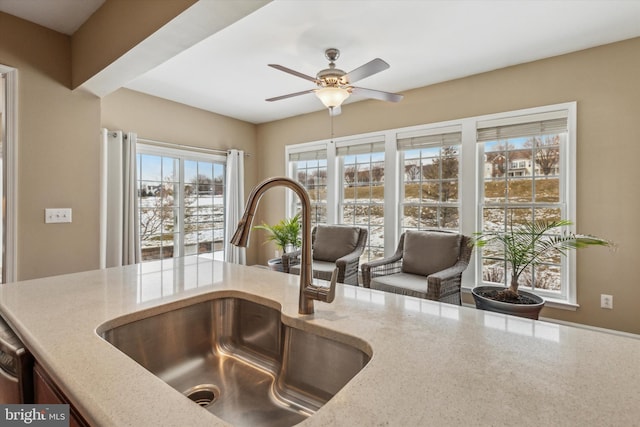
(308, 291)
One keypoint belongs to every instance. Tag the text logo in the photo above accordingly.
(34, 415)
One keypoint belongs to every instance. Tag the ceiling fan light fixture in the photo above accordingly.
(332, 96)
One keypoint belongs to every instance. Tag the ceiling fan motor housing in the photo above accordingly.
(332, 76)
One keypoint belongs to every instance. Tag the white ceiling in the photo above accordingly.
(425, 42)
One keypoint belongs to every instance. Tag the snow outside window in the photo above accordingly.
(181, 203)
(362, 184)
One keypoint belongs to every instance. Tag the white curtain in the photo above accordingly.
(234, 204)
(119, 228)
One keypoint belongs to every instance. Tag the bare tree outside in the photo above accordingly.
(157, 213)
(203, 184)
(431, 185)
(547, 153)
(350, 175)
(412, 171)
(153, 218)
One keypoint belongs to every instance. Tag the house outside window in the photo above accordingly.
(181, 203)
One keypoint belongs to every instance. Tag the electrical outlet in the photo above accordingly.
(57, 215)
(606, 301)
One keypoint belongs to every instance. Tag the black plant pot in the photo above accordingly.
(530, 311)
(275, 264)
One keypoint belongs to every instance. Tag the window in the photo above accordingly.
(309, 168)
(181, 203)
(362, 197)
(429, 163)
(466, 175)
(517, 193)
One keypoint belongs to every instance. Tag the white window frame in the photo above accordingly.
(347, 143)
(567, 297)
(437, 129)
(182, 156)
(471, 167)
(10, 170)
(291, 197)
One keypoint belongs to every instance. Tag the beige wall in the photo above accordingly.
(58, 146)
(57, 150)
(167, 121)
(604, 82)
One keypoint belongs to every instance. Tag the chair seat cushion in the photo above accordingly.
(427, 252)
(401, 283)
(333, 242)
(321, 269)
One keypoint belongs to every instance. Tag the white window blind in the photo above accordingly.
(308, 155)
(522, 126)
(369, 145)
(443, 137)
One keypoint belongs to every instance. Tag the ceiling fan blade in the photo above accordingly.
(290, 95)
(370, 68)
(335, 111)
(378, 94)
(294, 72)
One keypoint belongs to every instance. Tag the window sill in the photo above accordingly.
(549, 302)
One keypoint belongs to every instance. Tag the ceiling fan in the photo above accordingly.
(335, 86)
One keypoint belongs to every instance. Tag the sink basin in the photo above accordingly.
(237, 359)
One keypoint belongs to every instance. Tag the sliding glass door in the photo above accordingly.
(181, 203)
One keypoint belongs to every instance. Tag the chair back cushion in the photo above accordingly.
(427, 252)
(333, 242)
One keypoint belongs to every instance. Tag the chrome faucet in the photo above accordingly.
(308, 291)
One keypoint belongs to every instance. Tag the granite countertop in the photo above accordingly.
(432, 364)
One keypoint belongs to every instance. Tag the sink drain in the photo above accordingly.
(203, 394)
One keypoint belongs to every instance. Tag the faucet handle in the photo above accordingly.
(322, 293)
(332, 285)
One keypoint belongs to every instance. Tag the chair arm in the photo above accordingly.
(450, 272)
(445, 284)
(349, 258)
(380, 267)
(289, 259)
(348, 268)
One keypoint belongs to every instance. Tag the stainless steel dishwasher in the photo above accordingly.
(16, 368)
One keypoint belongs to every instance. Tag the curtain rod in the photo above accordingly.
(186, 147)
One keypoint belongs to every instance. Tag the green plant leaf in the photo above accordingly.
(284, 233)
(526, 244)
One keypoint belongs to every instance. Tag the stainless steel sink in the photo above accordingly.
(237, 359)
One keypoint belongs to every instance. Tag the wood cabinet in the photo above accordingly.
(46, 391)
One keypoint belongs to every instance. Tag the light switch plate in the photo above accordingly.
(57, 215)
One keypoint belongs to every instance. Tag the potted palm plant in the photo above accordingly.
(285, 235)
(522, 246)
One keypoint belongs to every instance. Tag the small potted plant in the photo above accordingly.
(522, 246)
(285, 235)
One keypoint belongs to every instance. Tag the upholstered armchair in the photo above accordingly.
(333, 246)
(427, 264)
